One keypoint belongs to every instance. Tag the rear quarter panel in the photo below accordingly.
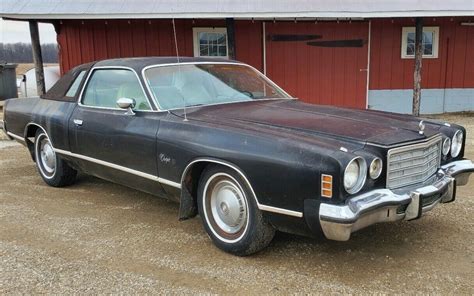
(51, 115)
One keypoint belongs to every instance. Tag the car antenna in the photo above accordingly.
(179, 66)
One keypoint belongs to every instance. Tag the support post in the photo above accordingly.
(230, 25)
(37, 57)
(417, 72)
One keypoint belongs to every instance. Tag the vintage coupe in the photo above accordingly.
(228, 144)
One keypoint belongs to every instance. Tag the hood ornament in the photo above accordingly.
(421, 125)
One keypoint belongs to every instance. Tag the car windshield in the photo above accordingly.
(176, 86)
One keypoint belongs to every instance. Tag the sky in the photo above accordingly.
(15, 31)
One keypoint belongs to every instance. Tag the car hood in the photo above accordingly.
(367, 126)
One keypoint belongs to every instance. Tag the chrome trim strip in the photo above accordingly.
(235, 168)
(119, 167)
(280, 211)
(208, 63)
(226, 103)
(404, 144)
(408, 147)
(35, 124)
(16, 137)
(79, 101)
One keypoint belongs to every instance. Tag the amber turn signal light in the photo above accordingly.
(326, 186)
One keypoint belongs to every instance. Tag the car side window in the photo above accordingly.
(106, 86)
(71, 92)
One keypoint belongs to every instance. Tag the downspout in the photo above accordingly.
(446, 75)
(264, 41)
(368, 67)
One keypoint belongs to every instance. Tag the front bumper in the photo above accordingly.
(385, 205)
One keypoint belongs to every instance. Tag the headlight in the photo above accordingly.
(355, 175)
(456, 143)
(446, 146)
(375, 168)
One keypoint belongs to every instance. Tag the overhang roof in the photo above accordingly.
(264, 9)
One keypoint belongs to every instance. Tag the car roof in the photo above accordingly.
(142, 62)
(59, 90)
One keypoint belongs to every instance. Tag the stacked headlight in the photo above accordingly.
(355, 175)
(446, 146)
(456, 143)
(375, 168)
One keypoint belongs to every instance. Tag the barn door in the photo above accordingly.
(320, 63)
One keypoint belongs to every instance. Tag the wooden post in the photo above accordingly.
(230, 24)
(37, 57)
(417, 72)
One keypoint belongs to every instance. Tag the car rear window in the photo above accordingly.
(72, 91)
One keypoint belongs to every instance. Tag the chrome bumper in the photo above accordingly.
(385, 205)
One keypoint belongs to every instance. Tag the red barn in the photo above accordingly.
(346, 53)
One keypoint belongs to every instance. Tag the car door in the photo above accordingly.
(110, 142)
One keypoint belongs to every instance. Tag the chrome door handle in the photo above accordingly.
(77, 122)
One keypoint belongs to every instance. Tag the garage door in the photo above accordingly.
(319, 62)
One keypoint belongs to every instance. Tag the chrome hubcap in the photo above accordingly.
(48, 156)
(228, 207)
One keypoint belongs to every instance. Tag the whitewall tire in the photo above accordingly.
(230, 214)
(54, 170)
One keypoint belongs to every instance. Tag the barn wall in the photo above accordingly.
(447, 81)
(320, 75)
(90, 40)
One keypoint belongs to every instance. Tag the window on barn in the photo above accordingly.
(430, 42)
(210, 42)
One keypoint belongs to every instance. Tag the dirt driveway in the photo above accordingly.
(98, 237)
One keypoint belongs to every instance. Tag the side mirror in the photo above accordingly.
(127, 103)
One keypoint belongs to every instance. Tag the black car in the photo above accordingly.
(228, 144)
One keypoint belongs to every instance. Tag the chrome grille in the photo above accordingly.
(413, 164)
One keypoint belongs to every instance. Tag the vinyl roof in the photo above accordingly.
(126, 9)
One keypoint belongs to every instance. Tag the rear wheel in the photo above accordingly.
(230, 214)
(54, 171)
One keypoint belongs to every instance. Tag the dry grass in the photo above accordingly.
(23, 68)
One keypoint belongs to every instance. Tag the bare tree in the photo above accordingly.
(22, 53)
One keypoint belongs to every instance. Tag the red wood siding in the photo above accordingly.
(90, 40)
(320, 75)
(454, 67)
(314, 74)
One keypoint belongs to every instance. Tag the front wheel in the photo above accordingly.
(54, 171)
(230, 214)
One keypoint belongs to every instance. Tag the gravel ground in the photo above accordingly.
(98, 237)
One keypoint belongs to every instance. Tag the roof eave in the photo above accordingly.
(270, 15)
